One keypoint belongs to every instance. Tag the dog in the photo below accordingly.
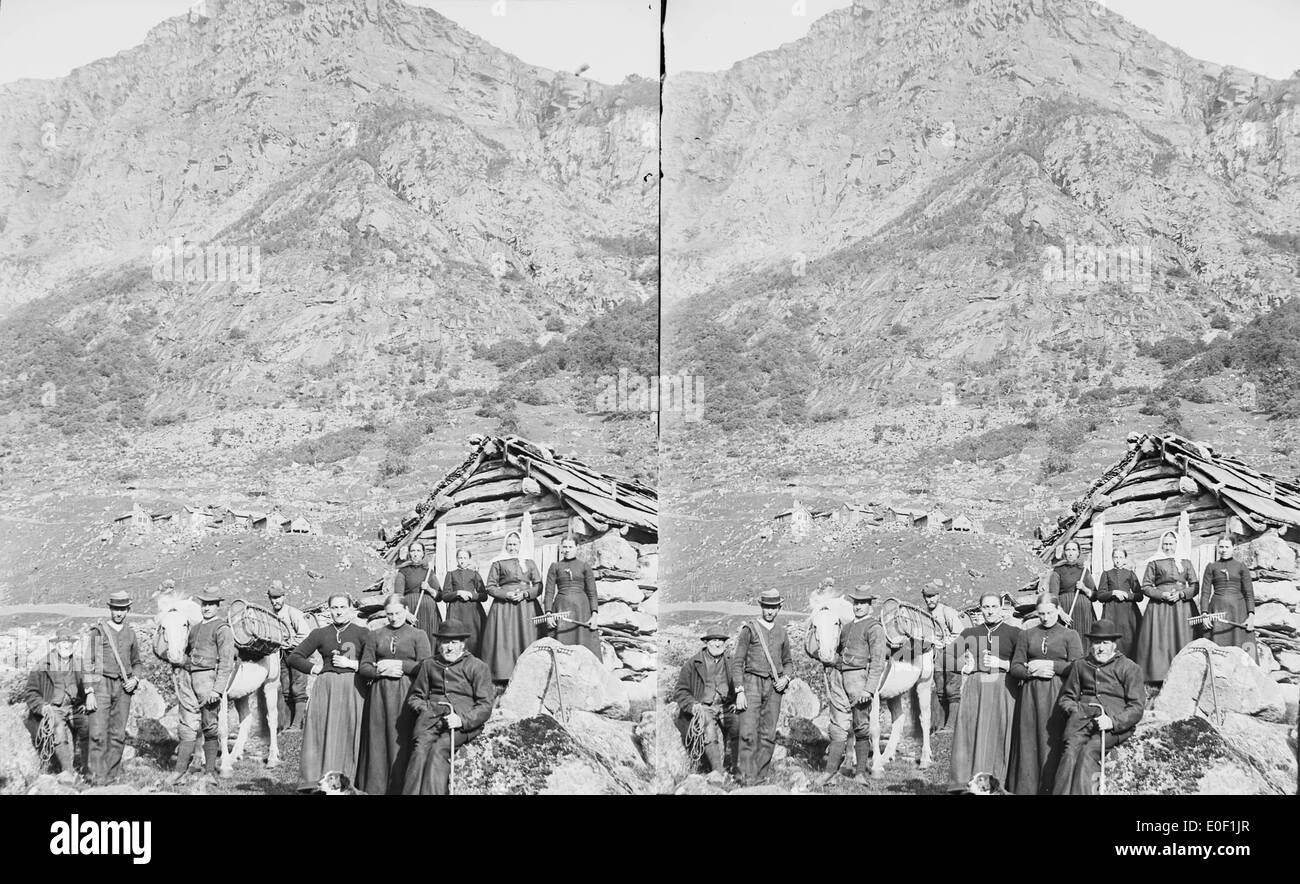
(985, 784)
(336, 783)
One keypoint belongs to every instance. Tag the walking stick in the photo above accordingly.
(1103, 749)
(451, 778)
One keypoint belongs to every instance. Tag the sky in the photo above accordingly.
(48, 38)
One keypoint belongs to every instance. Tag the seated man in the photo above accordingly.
(705, 693)
(1103, 693)
(58, 699)
(451, 677)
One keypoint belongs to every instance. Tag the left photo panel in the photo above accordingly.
(329, 357)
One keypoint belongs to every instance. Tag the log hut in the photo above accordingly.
(1169, 483)
(510, 484)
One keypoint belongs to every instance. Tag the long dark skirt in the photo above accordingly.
(578, 607)
(508, 631)
(981, 742)
(470, 617)
(331, 737)
(1079, 772)
(1234, 608)
(1081, 616)
(1039, 734)
(429, 771)
(385, 737)
(1165, 631)
(1127, 617)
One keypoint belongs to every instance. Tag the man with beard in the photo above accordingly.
(704, 691)
(293, 684)
(760, 669)
(1107, 677)
(946, 698)
(54, 692)
(450, 676)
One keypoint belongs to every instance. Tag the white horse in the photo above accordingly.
(176, 614)
(909, 667)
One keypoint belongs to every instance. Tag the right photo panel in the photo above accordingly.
(981, 363)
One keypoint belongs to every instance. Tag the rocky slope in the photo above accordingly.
(884, 196)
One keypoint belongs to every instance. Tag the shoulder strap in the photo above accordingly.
(762, 643)
(112, 646)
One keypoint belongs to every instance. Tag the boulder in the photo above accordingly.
(12, 684)
(1265, 744)
(649, 562)
(147, 704)
(48, 784)
(1184, 757)
(650, 605)
(1239, 685)
(698, 784)
(1267, 661)
(625, 591)
(19, 763)
(1289, 660)
(584, 682)
(609, 657)
(1271, 552)
(1283, 592)
(637, 660)
(539, 756)
(1276, 616)
(619, 615)
(611, 557)
(799, 701)
(661, 744)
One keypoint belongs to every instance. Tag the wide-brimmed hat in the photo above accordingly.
(65, 634)
(1103, 630)
(209, 597)
(861, 593)
(449, 631)
(715, 634)
(770, 598)
(119, 599)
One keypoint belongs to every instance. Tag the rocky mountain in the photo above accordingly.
(1006, 196)
(335, 197)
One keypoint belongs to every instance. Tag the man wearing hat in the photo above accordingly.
(209, 666)
(704, 691)
(114, 673)
(293, 684)
(451, 676)
(760, 670)
(54, 694)
(853, 680)
(947, 669)
(1105, 677)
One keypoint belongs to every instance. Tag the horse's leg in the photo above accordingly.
(924, 688)
(895, 727)
(241, 736)
(271, 690)
(877, 763)
(223, 734)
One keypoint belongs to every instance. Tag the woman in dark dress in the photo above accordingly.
(419, 587)
(464, 592)
(981, 741)
(1169, 584)
(1044, 653)
(514, 585)
(571, 591)
(1073, 587)
(391, 655)
(331, 737)
(1226, 589)
(1119, 590)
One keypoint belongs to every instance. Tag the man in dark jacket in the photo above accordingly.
(705, 690)
(115, 669)
(761, 672)
(55, 694)
(1104, 677)
(451, 676)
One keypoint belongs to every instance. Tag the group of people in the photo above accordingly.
(386, 704)
(1030, 703)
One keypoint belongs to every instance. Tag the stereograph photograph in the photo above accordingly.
(350, 347)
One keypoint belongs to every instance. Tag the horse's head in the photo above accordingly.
(175, 616)
(829, 611)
